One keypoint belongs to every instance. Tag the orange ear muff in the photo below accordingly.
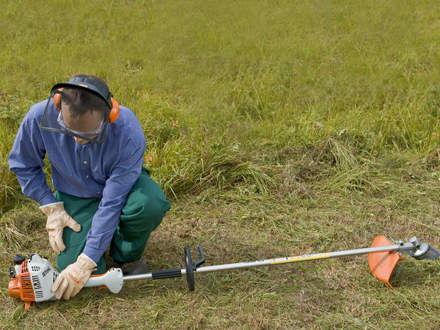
(114, 112)
(57, 98)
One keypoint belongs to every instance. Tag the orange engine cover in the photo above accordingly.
(20, 286)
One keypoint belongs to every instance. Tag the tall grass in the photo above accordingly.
(288, 74)
(11, 112)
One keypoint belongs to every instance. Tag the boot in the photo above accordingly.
(134, 267)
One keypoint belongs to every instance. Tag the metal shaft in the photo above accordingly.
(275, 261)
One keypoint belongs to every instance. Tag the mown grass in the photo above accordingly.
(276, 128)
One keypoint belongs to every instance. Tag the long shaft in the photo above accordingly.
(305, 257)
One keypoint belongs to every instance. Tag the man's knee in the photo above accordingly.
(146, 204)
(155, 209)
(146, 211)
(69, 256)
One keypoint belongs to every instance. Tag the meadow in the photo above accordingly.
(276, 128)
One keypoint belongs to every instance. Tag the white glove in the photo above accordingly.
(57, 219)
(72, 279)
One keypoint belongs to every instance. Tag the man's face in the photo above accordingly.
(91, 121)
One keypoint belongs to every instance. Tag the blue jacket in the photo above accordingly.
(107, 171)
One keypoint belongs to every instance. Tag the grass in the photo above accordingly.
(275, 127)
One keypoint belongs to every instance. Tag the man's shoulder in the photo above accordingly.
(127, 119)
(128, 126)
(36, 110)
(126, 114)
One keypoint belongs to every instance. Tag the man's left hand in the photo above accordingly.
(72, 279)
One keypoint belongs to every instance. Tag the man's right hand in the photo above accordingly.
(57, 219)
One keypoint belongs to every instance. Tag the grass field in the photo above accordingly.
(275, 127)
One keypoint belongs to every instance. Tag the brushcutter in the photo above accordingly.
(31, 279)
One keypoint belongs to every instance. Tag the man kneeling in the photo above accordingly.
(103, 196)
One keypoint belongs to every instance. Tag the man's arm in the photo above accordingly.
(117, 187)
(26, 161)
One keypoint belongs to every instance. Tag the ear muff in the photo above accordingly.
(114, 112)
(57, 99)
(113, 115)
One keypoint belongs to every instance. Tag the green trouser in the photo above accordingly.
(143, 211)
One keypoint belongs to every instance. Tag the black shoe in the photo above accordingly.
(134, 268)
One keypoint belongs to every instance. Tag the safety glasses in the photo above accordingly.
(53, 121)
(85, 135)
